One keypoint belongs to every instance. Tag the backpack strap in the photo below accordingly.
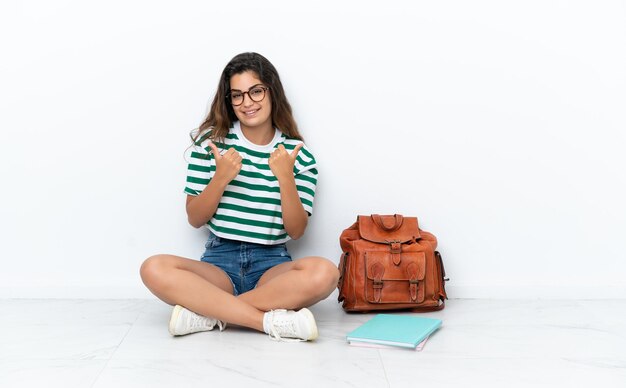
(378, 271)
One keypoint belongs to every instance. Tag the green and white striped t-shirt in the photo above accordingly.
(250, 208)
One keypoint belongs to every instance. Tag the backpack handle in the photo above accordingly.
(378, 220)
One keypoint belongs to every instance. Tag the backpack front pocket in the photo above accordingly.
(389, 280)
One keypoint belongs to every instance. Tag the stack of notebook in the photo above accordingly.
(389, 331)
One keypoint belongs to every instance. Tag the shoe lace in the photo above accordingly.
(282, 323)
(198, 321)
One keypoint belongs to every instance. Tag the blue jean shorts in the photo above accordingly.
(243, 262)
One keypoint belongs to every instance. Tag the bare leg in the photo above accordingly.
(293, 285)
(199, 287)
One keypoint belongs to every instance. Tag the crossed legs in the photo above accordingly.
(206, 290)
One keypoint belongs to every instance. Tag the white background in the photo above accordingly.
(499, 124)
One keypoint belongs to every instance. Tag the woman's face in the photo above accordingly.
(256, 108)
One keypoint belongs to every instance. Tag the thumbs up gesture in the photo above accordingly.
(227, 165)
(281, 161)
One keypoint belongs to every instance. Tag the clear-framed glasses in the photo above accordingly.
(256, 94)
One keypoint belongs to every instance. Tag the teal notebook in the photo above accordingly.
(396, 330)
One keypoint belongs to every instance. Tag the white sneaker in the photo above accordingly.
(184, 322)
(295, 325)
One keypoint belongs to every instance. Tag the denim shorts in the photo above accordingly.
(243, 262)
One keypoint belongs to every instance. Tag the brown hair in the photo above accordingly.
(221, 116)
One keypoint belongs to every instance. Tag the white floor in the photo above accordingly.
(482, 343)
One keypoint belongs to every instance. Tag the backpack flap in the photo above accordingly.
(385, 229)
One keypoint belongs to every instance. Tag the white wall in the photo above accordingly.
(499, 124)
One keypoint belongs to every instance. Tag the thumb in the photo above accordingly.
(295, 151)
(216, 152)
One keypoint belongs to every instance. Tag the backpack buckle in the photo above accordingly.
(395, 246)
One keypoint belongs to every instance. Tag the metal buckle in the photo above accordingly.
(395, 246)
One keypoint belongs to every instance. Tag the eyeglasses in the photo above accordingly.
(256, 94)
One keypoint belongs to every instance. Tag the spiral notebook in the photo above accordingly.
(406, 331)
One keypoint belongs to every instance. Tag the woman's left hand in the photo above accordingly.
(281, 161)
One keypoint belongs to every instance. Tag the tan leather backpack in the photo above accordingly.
(388, 263)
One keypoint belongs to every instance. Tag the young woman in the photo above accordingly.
(251, 182)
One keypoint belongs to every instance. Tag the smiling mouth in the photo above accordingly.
(250, 112)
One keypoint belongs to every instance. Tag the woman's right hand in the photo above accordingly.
(227, 166)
